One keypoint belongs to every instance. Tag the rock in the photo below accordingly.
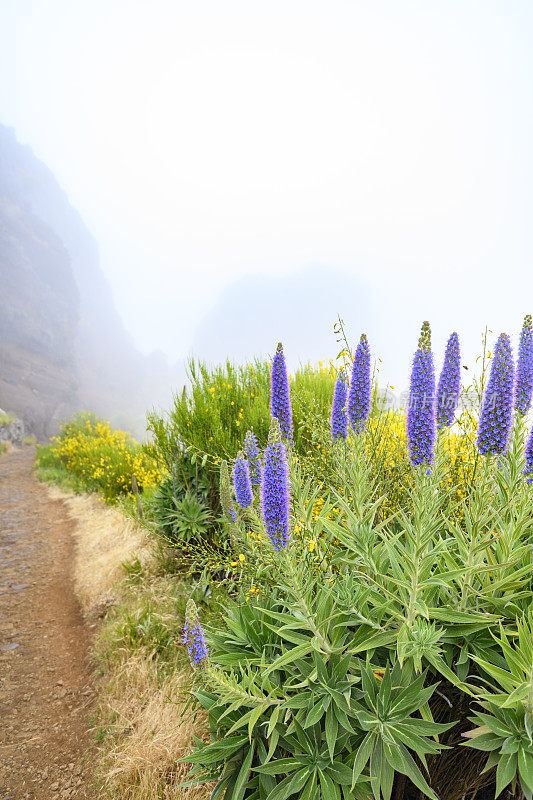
(13, 432)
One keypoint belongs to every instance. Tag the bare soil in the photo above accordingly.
(45, 678)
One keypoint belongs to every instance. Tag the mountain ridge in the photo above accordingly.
(63, 346)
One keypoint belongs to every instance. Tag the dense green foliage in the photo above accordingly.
(98, 458)
(333, 667)
(207, 424)
(223, 402)
(389, 648)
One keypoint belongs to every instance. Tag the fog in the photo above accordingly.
(249, 170)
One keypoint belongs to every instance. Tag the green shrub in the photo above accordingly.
(182, 521)
(208, 424)
(223, 402)
(100, 458)
(345, 664)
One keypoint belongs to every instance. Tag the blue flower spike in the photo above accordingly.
(497, 410)
(339, 417)
(449, 383)
(193, 637)
(241, 482)
(360, 386)
(275, 494)
(421, 413)
(280, 398)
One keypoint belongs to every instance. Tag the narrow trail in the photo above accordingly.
(45, 691)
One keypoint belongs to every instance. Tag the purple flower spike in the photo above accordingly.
(280, 399)
(254, 460)
(193, 637)
(524, 369)
(497, 410)
(529, 457)
(421, 420)
(449, 383)
(242, 483)
(360, 386)
(225, 493)
(275, 498)
(339, 418)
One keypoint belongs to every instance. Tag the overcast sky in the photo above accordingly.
(208, 142)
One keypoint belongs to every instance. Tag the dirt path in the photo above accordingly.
(45, 692)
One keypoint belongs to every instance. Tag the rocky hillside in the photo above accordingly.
(62, 344)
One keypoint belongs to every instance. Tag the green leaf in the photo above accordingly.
(273, 743)
(362, 756)
(525, 765)
(280, 766)
(309, 792)
(505, 771)
(450, 616)
(254, 716)
(266, 782)
(217, 751)
(300, 700)
(381, 772)
(288, 634)
(404, 762)
(503, 676)
(273, 721)
(485, 741)
(332, 727)
(517, 696)
(290, 785)
(343, 720)
(494, 724)
(289, 657)
(244, 774)
(340, 772)
(221, 785)
(329, 790)
(446, 672)
(381, 639)
(510, 745)
(315, 714)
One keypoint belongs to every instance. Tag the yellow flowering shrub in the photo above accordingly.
(104, 459)
(385, 441)
(386, 445)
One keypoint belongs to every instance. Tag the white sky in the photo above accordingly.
(206, 141)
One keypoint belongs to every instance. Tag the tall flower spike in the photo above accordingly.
(360, 386)
(254, 460)
(421, 411)
(225, 493)
(241, 482)
(280, 399)
(529, 458)
(339, 418)
(275, 499)
(497, 410)
(524, 368)
(193, 637)
(449, 383)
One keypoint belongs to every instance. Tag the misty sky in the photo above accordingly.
(205, 143)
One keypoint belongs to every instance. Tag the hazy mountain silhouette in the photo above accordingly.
(254, 313)
(63, 345)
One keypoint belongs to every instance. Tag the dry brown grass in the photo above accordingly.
(140, 719)
(104, 540)
(150, 734)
